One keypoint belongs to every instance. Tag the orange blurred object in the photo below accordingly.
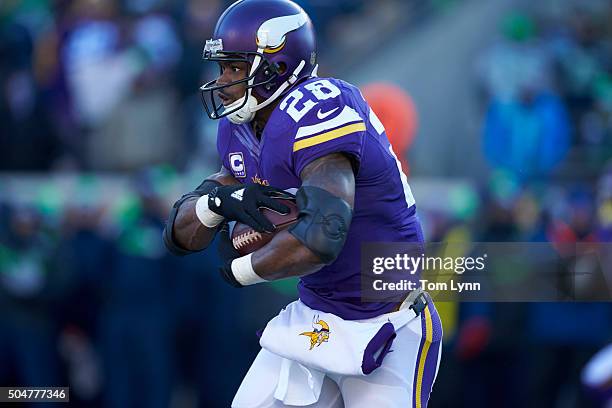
(395, 109)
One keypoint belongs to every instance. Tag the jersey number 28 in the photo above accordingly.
(321, 90)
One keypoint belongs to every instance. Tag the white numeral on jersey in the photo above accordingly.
(292, 110)
(322, 89)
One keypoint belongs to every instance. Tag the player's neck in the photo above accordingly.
(261, 118)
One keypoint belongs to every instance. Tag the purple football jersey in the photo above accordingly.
(319, 117)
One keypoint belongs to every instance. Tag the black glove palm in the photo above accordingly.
(228, 253)
(242, 203)
(225, 248)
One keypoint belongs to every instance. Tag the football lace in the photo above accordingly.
(245, 238)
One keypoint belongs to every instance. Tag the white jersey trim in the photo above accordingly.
(347, 115)
(407, 191)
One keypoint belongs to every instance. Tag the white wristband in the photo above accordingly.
(243, 271)
(207, 216)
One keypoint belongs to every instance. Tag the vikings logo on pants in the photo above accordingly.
(319, 334)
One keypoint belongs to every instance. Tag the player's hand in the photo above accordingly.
(242, 203)
(226, 249)
(227, 253)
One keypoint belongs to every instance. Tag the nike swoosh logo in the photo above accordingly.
(326, 114)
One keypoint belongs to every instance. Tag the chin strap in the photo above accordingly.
(247, 112)
(244, 114)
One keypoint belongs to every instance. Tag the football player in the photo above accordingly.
(283, 128)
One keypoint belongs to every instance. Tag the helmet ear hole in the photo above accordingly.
(272, 69)
(281, 67)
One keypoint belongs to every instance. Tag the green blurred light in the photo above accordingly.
(518, 27)
(603, 91)
(126, 210)
(503, 185)
(286, 287)
(463, 201)
(50, 200)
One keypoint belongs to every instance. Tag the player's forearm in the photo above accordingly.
(284, 257)
(188, 231)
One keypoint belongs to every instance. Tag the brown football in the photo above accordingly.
(246, 240)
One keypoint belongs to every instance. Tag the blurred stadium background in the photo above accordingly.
(506, 130)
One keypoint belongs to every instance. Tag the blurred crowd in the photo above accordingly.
(111, 85)
(547, 84)
(88, 295)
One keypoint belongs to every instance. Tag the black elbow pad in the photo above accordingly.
(323, 224)
(167, 235)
